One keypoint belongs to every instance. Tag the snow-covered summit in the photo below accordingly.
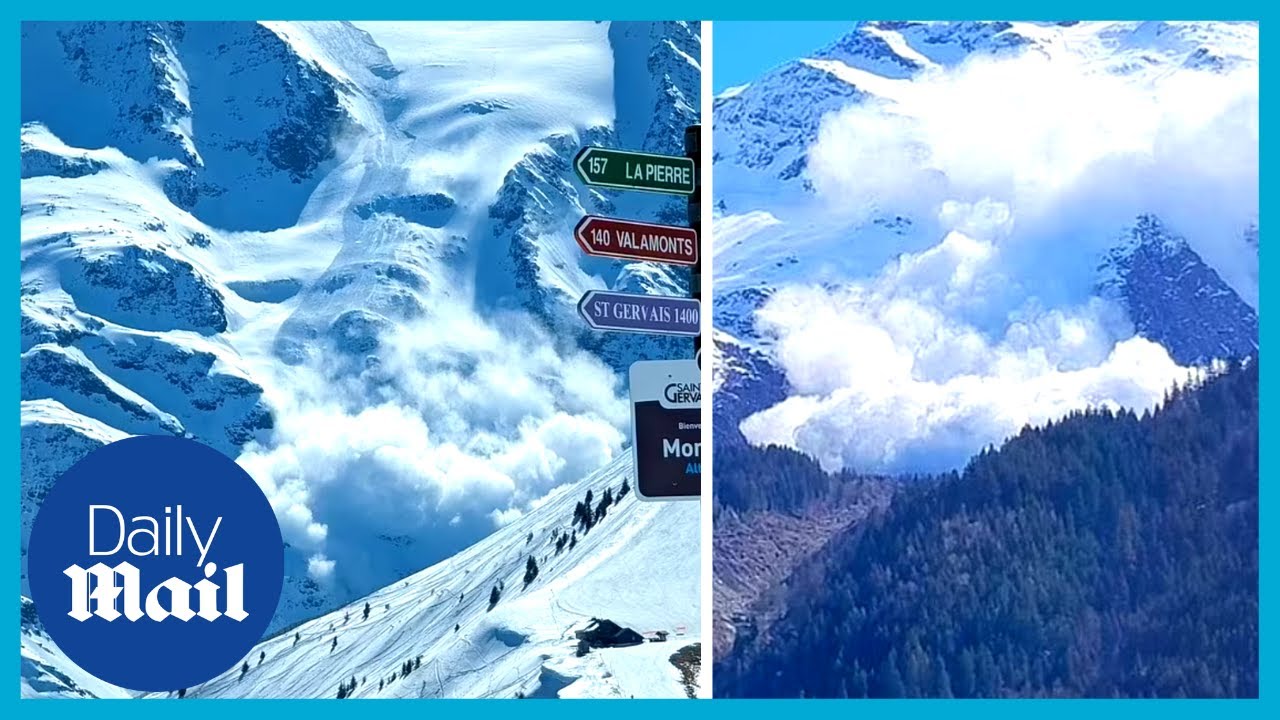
(766, 126)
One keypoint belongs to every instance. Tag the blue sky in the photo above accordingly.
(745, 50)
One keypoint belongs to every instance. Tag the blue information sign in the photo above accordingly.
(627, 312)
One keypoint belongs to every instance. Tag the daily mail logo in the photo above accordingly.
(149, 544)
(112, 592)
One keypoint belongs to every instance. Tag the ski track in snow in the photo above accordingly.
(503, 651)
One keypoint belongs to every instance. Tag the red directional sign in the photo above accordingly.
(610, 237)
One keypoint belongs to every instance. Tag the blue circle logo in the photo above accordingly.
(155, 563)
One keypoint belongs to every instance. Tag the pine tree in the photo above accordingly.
(966, 675)
(890, 678)
(530, 570)
(941, 679)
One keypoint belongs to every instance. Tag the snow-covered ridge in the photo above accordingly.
(636, 565)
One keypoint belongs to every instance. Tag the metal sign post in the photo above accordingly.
(693, 150)
(666, 398)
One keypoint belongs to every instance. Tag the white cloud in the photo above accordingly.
(890, 383)
(462, 423)
(505, 517)
(320, 568)
(1038, 149)
(1025, 168)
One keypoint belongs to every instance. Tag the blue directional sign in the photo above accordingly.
(628, 312)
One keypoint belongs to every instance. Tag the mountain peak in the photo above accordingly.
(1174, 298)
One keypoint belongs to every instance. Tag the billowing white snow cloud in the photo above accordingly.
(888, 379)
(461, 426)
(1049, 152)
(1026, 167)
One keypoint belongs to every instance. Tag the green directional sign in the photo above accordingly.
(635, 171)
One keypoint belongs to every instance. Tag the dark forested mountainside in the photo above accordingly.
(1102, 555)
(749, 479)
(774, 508)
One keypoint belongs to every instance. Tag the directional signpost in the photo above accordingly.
(605, 167)
(610, 237)
(628, 312)
(665, 394)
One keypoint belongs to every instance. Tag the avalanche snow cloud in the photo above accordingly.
(468, 416)
(461, 427)
(1024, 166)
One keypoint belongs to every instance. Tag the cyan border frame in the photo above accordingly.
(634, 10)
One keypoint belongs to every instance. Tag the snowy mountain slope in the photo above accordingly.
(765, 129)
(46, 672)
(252, 122)
(843, 178)
(58, 437)
(121, 318)
(636, 567)
(249, 232)
(534, 261)
(524, 644)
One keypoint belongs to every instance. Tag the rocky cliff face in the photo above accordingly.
(1174, 298)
